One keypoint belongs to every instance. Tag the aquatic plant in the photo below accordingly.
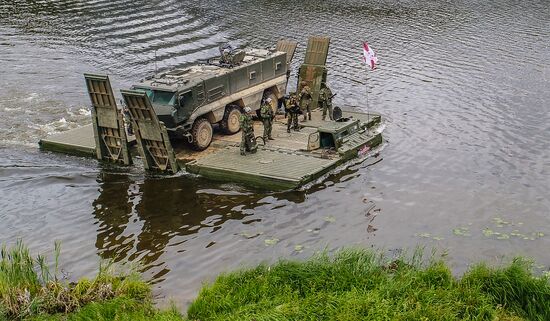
(28, 287)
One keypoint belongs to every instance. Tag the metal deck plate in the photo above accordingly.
(267, 167)
(78, 141)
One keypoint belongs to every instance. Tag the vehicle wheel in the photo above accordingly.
(230, 122)
(202, 134)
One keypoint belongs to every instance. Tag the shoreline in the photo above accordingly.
(351, 284)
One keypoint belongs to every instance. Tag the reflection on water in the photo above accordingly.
(463, 86)
(139, 218)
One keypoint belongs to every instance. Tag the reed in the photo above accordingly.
(29, 288)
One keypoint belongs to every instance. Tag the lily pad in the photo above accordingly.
(424, 235)
(461, 231)
(298, 248)
(272, 241)
(500, 222)
(488, 232)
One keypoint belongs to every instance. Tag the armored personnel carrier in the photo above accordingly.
(190, 100)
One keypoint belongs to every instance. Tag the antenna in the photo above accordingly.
(155, 61)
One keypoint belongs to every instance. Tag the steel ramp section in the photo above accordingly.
(268, 168)
(153, 142)
(317, 51)
(313, 76)
(287, 46)
(313, 71)
(111, 143)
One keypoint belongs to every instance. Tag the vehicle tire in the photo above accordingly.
(230, 121)
(202, 134)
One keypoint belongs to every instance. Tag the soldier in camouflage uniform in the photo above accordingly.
(248, 141)
(305, 101)
(267, 115)
(325, 98)
(292, 109)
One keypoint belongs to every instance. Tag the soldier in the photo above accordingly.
(248, 141)
(293, 109)
(305, 100)
(267, 115)
(325, 98)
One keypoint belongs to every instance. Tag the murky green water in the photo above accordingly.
(464, 86)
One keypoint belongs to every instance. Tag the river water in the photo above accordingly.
(464, 87)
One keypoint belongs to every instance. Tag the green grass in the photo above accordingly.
(28, 288)
(352, 284)
(361, 285)
(120, 308)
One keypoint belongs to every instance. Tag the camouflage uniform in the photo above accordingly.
(293, 109)
(248, 141)
(267, 118)
(325, 97)
(305, 101)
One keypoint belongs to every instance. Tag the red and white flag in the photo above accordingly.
(369, 57)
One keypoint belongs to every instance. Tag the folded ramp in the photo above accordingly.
(287, 46)
(111, 143)
(317, 51)
(313, 71)
(153, 142)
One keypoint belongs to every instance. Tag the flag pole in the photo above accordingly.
(370, 57)
(367, 96)
(366, 87)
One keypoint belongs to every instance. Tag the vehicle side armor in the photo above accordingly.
(190, 100)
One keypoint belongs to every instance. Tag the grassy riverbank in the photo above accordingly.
(351, 285)
(30, 290)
